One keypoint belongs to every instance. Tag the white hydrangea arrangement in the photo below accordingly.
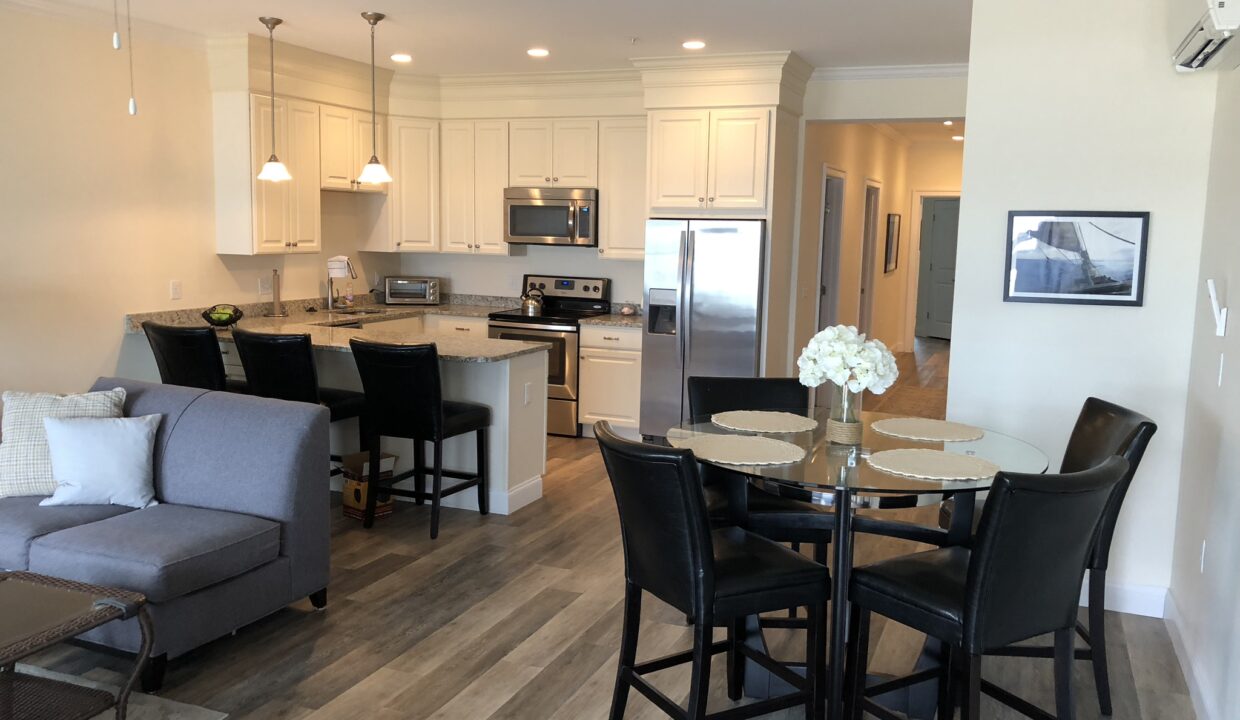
(845, 357)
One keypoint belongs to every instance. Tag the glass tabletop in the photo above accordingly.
(827, 466)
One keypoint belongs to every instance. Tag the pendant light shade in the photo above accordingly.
(273, 170)
(374, 173)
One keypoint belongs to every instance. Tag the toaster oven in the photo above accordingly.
(401, 290)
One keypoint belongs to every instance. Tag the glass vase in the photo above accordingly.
(844, 420)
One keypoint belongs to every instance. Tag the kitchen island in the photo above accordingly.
(508, 376)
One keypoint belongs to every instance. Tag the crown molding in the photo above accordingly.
(149, 31)
(890, 72)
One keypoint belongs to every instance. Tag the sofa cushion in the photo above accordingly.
(164, 551)
(22, 521)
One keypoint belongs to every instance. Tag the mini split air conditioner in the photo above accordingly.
(1212, 43)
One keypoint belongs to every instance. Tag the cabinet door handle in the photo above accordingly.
(601, 251)
(613, 339)
(463, 329)
(711, 200)
(555, 179)
(546, 179)
(397, 243)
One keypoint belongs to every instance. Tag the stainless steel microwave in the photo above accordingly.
(411, 290)
(551, 216)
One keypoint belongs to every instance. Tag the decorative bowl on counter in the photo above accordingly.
(223, 315)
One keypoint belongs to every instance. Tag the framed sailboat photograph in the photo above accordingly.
(1082, 258)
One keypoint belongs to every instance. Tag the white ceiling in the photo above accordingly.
(918, 132)
(487, 36)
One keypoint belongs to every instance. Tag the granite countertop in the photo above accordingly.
(328, 330)
(614, 320)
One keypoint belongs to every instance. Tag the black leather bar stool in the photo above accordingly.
(1021, 579)
(282, 367)
(1102, 429)
(718, 576)
(189, 356)
(404, 399)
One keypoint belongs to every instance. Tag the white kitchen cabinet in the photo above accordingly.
(346, 147)
(456, 185)
(622, 188)
(410, 220)
(553, 153)
(610, 380)
(455, 325)
(703, 160)
(258, 217)
(490, 179)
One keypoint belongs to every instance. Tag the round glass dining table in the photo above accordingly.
(841, 477)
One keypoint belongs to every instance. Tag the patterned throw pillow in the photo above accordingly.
(25, 463)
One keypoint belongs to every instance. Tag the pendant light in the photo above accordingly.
(133, 98)
(374, 173)
(273, 169)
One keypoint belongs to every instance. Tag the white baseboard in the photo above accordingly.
(502, 502)
(1203, 698)
(1145, 600)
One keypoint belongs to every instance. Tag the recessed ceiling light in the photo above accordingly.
(958, 138)
(949, 123)
(538, 52)
(402, 57)
(693, 44)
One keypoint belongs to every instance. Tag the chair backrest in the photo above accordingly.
(1104, 429)
(663, 523)
(402, 385)
(710, 395)
(1029, 559)
(278, 366)
(186, 356)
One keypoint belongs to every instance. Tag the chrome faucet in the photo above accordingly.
(339, 266)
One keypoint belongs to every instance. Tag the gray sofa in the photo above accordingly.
(242, 528)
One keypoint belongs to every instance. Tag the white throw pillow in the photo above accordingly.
(103, 461)
(25, 466)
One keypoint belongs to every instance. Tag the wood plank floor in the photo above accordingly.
(518, 618)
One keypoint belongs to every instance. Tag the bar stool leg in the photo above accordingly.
(699, 684)
(628, 648)
(436, 488)
(1064, 655)
(372, 486)
(736, 663)
(484, 499)
(419, 465)
(1098, 637)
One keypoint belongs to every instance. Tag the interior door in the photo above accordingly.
(936, 286)
(869, 242)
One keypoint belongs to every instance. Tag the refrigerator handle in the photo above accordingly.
(680, 296)
(686, 282)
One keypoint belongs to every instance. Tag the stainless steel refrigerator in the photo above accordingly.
(703, 299)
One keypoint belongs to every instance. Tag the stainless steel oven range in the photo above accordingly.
(566, 300)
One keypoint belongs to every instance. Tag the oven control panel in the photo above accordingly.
(570, 288)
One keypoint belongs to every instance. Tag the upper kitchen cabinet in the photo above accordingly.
(709, 159)
(553, 153)
(346, 146)
(257, 217)
(474, 172)
(412, 207)
(622, 188)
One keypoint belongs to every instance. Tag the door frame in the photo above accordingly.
(829, 173)
(869, 253)
(916, 205)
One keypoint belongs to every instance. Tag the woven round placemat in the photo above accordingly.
(763, 421)
(912, 428)
(741, 449)
(928, 464)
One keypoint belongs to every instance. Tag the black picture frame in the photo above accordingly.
(891, 255)
(1049, 257)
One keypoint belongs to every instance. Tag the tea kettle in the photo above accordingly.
(532, 302)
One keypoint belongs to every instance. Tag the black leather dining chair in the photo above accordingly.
(282, 367)
(718, 576)
(1020, 579)
(189, 356)
(1102, 429)
(404, 399)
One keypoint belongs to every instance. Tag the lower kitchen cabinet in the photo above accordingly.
(610, 379)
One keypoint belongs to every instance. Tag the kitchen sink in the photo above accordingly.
(357, 311)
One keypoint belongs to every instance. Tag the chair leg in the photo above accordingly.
(972, 709)
(484, 505)
(699, 683)
(858, 659)
(947, 700)
(1064, 656)
(419, 466)
(372, 486)
(436, 489)
(1098, 637)
(318, 599)
(628, 648)
(796, 548)
(152, 680)
(736, 662)
(816, 661)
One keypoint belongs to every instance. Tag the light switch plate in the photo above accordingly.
(174, 289)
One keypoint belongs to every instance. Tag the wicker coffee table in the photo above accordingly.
(37, 612)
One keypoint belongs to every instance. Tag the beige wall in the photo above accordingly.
(102, 210)
(864, 153)
(1204, 591)
(1099, 145)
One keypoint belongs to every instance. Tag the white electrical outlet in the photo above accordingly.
(1203, 557)
(264, 285)
(174, 289)
(1220, 369)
